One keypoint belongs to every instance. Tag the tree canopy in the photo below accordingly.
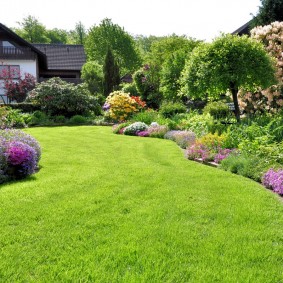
(230, 62)
(109, 35)
(269, 11)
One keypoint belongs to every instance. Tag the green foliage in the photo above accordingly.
(57, 97)
(79, 34)
(129, 88)
(169, 109)
(60, 119)
(32, 30)
(230, 62)
(111, 74)
(170, 75)
(217, 109)
(146, 117)
(77, 120)
(269, 11)
(10, 118)
(147, 86)
(58, 36)
(111, 36)
(39, 118)
(92, 75)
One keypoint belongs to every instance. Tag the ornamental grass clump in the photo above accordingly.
(135, 128)
(273, 180)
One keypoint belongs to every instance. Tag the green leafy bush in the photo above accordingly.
(217, 109)
(39, 118)
(170, 109)
(147, 116)
(57, 97)
(78, 119)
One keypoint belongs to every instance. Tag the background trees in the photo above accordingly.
(228, 63)
(269, 11)
(108, 35)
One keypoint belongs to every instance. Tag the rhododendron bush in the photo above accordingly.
(270, 99)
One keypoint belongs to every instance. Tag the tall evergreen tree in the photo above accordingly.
(269, 11)
(111, 73)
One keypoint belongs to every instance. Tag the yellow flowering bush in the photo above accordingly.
(121, 105)
(212, 141)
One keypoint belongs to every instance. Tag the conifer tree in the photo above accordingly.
(111, 73)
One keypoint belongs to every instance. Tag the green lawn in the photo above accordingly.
(110, 208)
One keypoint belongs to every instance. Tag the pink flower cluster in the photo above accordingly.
(273, 180)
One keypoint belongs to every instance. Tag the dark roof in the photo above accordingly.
(244, 29)
(63, 57)
(23, 42)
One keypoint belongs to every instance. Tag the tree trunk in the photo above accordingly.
(234, 90)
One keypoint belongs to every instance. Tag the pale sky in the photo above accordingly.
(200, 19)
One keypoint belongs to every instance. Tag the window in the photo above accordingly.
(10, 71)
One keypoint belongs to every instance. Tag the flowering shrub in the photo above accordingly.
(21, 159)
(120, 105)
(270, 99)
(274, 180)
(135, 128)
(198, 151)
(119, 128)
(182, 138)
(222, 154)
(17, 89)
(57, 97)
(19, 155)
(143, 134)
(212, 141)
(157, 131)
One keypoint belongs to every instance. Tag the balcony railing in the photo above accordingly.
(68, 80)
(21, 53)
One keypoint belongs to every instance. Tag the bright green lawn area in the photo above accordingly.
(110, 208)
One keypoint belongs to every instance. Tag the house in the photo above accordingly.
(244, 29)
(43, 61)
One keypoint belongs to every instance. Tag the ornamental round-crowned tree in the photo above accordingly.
(229, 63)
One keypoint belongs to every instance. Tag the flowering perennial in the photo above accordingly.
(120, 105)
(135, 128)
(273, 180)
(19, 155)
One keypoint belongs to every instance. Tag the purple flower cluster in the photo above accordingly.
(106, 106)
(182, 138)
(143, 133)
(273, 180)
(19, 154)
(198, 151)
(222, 154)
(10, 135)
(22, 157)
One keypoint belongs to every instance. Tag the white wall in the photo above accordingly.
(26, 66)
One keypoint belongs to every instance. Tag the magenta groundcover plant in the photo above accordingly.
(19, 154)
(21, 158)
(273, 180)
(222, 154)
